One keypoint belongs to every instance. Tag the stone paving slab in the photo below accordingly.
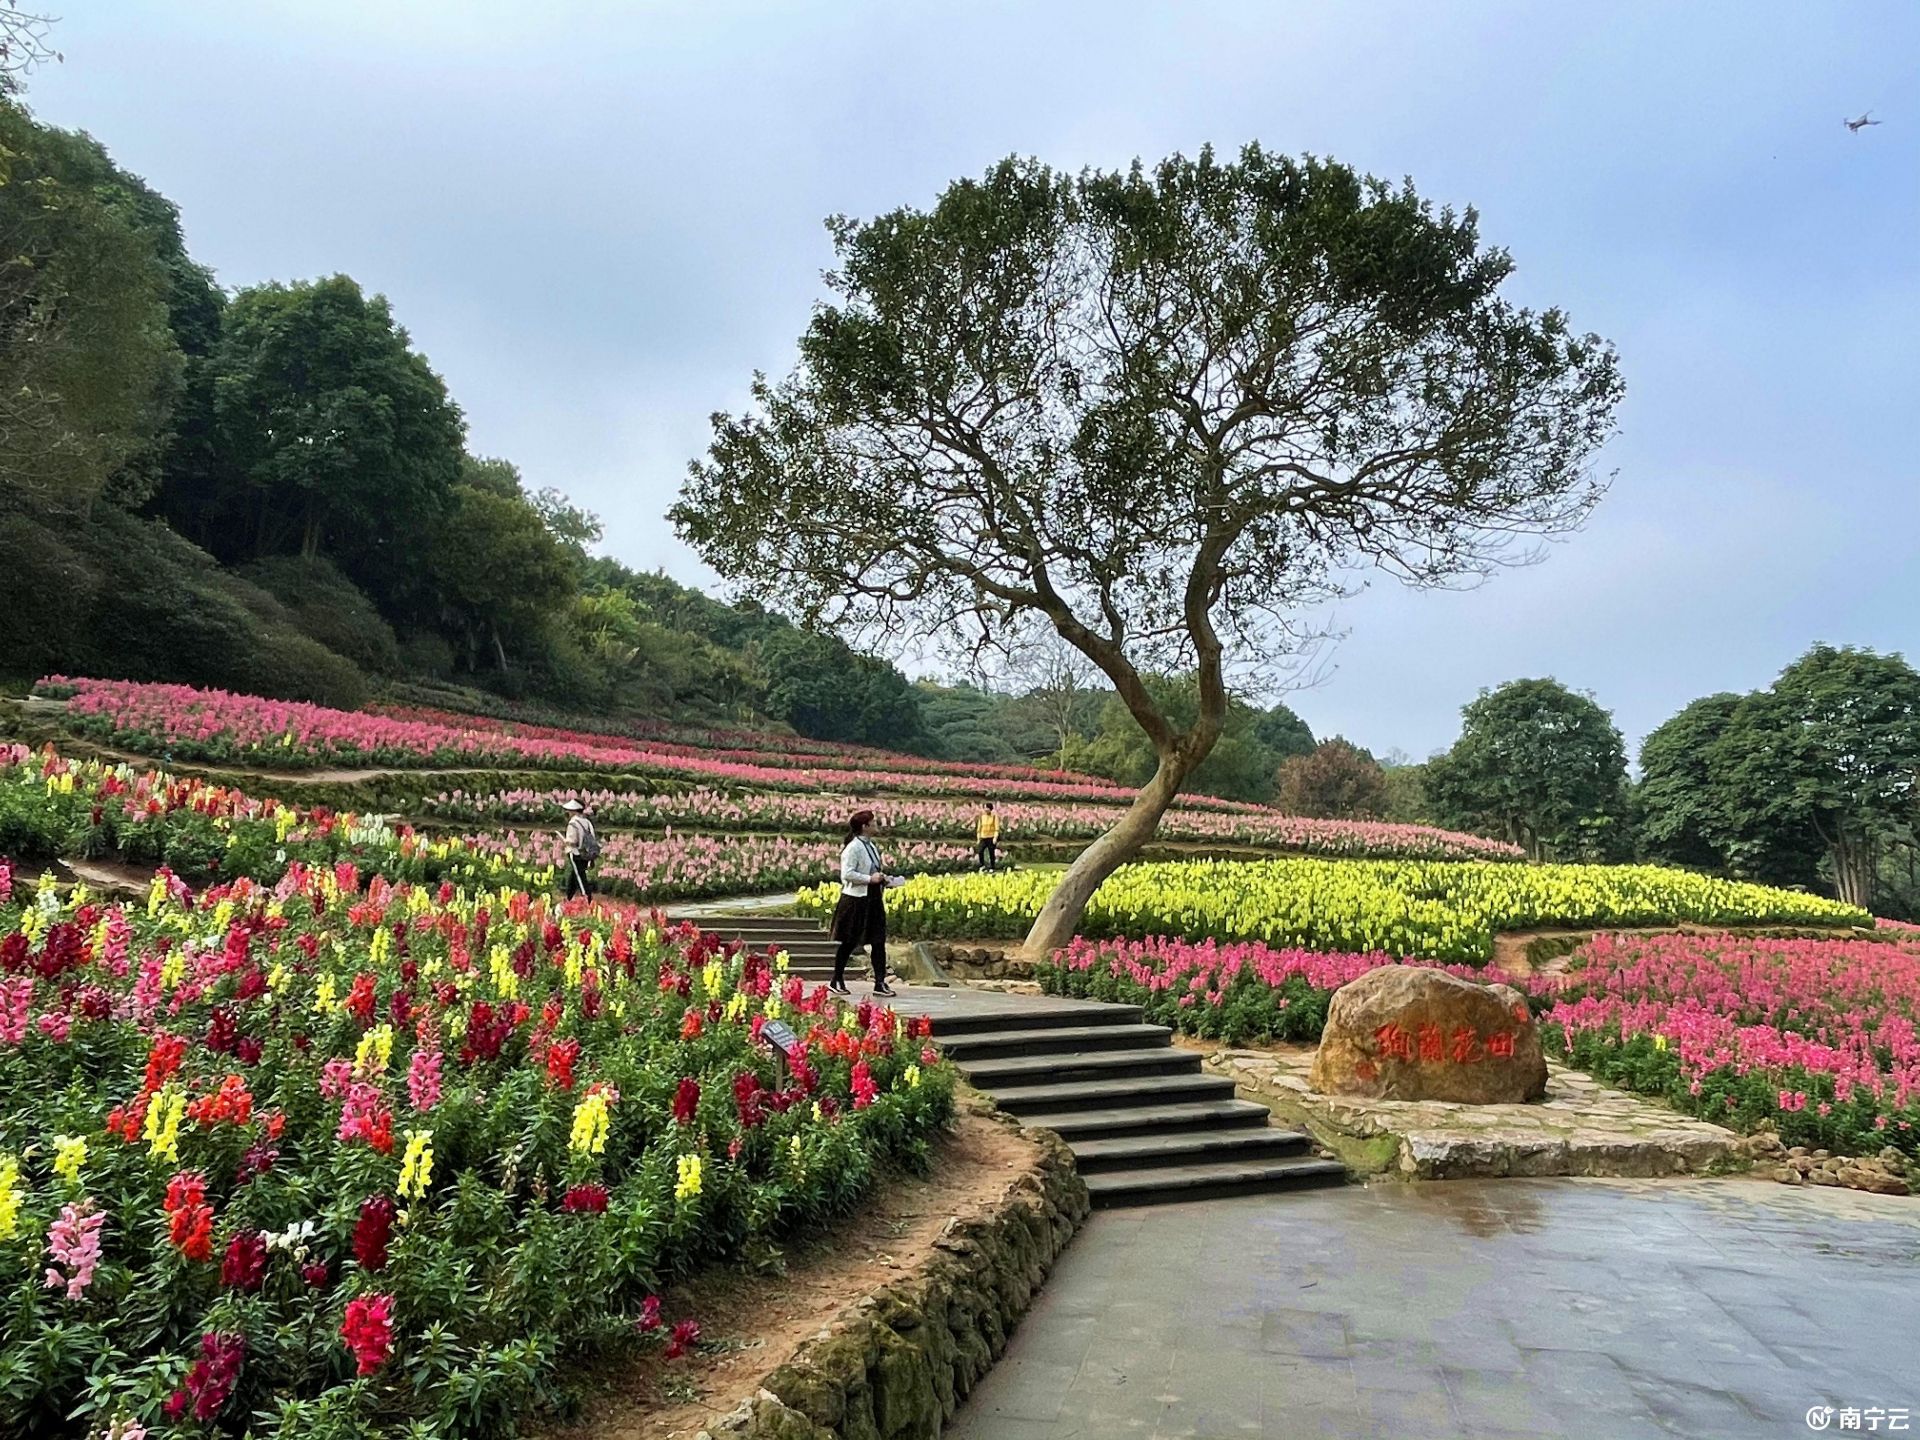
(1581, 1128)
(1583, 1309)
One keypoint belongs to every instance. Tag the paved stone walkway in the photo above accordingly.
(1541, 1308)
(1581, 1128)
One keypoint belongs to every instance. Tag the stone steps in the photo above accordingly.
(1071, 1066)
(1145, 1122)
(1074, 1126)
(994, 1044)
(1110, 1094)
(1182, 1146)
(1210, 1180)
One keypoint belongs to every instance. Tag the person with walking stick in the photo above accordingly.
(583, 848)
(861, 916)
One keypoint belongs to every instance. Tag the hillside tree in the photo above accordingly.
(1336, 780)
(1163, 411)
(1537, 765)
(336, 436)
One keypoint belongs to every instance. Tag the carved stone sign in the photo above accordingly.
(1405, 1032)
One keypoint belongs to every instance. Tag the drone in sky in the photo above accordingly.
(1856, 126)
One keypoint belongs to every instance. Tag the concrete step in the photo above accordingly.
(1159, 1185)
(1040, 1015)
(969, 1048)
(1114, 1094)
(1074, 1126)
(994, 1074)
(1187, 1147)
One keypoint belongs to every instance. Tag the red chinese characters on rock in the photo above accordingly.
(1394, 1043)
(1433, 1046)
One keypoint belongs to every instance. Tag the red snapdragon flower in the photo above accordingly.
(685, 1336)
(686, 1100)
(368, 1331)
(211, 1380)
(865, 1092)
(245, 1266)
(372, 1231)
(189, 1216)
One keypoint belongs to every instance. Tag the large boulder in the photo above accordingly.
(1405, 1032)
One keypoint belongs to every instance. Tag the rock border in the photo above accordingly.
(897, 1364)
(1566, 1134)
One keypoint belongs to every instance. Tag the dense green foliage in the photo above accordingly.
(1242, 765)
(1540, 766)
(1813, 778)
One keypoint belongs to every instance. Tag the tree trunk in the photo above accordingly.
(499, 650)
(1060, 916)
(1852, 869)
(310, 533)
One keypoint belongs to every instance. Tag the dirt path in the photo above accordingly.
(751, 1323)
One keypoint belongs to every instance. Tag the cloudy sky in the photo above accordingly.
(598, 219)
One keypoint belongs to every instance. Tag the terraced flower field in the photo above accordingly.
(1433, 910)
(217, 727)
(713, 810)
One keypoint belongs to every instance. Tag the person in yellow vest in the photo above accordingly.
(986, 839)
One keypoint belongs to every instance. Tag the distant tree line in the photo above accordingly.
(1813, 781)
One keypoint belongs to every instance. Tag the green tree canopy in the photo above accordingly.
(1709, 796)
(336, 436)
(1538, 765)
(88, 364)
(1241, 765)
(1822, 766)
(503, 579)
(826, 691)
(1158, 410)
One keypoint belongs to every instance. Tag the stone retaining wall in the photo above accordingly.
(897, 1365)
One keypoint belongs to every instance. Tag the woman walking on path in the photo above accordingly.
(861, 916)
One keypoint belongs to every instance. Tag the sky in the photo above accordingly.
(598, 220)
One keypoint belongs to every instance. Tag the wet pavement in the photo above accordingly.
(1541, 1308)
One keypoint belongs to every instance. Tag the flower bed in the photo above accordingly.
(1816, 1036)
(55, 808)
(1237, 993)
(1430, 910)
(826, 813)
(212, 725)
(682, 867)
(314, 1162)
(737, 745)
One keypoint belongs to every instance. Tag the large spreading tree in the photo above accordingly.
(1161, 411)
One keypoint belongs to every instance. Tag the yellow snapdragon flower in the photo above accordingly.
(688, 1184)
(69, 1154)
(416, 1166)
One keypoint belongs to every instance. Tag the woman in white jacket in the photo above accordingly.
(861, 916)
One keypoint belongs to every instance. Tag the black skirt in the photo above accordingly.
(861, 919)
